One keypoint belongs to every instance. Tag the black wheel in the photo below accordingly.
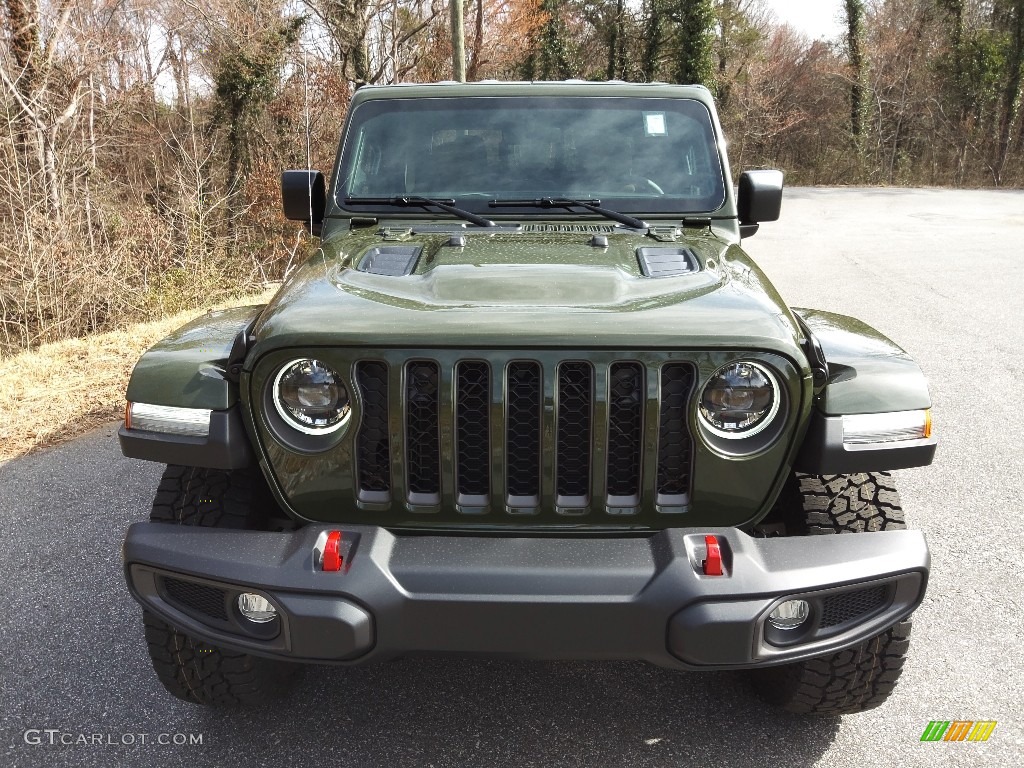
(864, 676)
(190, 669)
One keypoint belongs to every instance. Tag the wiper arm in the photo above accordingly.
(558, 202)
(424, 202)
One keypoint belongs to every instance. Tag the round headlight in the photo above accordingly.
(739, 400)
(309, 396)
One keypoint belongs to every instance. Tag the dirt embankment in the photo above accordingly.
(63, 389)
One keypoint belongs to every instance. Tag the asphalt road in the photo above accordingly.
(939, 271)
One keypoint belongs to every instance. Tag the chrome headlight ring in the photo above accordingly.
(735, 401)
(310, 397)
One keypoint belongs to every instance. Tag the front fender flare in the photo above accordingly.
(867, 373)
(194, 368)
(189, 368)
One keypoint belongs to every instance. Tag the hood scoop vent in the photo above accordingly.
(390, 260)
(589, 229)
(666, 262)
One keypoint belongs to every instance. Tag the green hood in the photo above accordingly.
(548, 289)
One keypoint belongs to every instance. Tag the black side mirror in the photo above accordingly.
(304, 198)
(760, 199)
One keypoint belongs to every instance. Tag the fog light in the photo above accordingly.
(256, 608)
(790, 614)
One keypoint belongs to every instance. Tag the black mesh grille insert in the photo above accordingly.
(625, 432)
(575, 424)
(522, 432)
(433, 423)
(472, 417)
(846, 606)
(373, 447)
(422, 436)
(674, 443)
(198, 598)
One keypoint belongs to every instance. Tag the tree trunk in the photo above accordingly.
(727, 20)
(24, 40)
(616, 45)
(552, 59)
(654, 35)
(24, 35)
(1010, 99)
(854, 39)
(473, 72)
(458, 41)
(696, 20)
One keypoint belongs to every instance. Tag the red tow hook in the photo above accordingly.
(332, 559)
(713, 562)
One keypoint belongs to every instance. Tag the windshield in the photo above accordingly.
(642, 155)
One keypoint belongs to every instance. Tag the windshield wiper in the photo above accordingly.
(424, 202)
(559, 202)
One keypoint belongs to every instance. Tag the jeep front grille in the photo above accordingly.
(573, 454)
(523, 402)
(373, 447)
(524, 437)
(674, 444)
(422, 432)
(472, 433)
(625, 434)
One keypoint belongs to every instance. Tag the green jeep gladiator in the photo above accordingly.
(531, 399)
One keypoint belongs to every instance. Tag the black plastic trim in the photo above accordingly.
(759, 196)
(304, 198)
(231, 620)
(815, 355)
(824, 453)
(226, 447)
(549, 598)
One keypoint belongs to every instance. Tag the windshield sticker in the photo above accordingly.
(654, 123)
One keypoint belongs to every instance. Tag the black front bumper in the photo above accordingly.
(552, 598)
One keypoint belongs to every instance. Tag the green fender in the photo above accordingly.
(868, 373)
(188, 368)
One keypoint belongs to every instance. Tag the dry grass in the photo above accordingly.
(63, 389)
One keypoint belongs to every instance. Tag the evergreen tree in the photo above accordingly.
(695, 40)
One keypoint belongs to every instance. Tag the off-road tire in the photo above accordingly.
(212, 498)
(190, 669)
(824, 504)
(200, 673)
(864, 676)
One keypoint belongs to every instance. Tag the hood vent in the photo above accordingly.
(666, 262)
(589, 229)
(391, 260)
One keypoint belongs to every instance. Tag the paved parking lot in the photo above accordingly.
(941, 272)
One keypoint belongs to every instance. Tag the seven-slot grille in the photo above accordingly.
(525, 438)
